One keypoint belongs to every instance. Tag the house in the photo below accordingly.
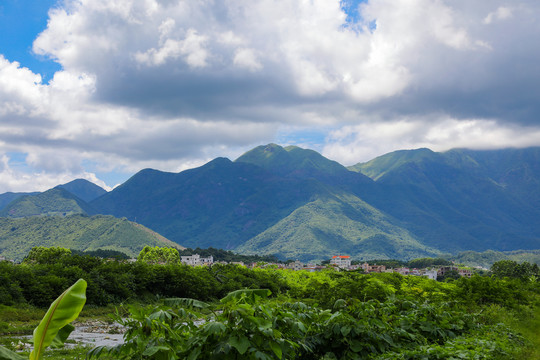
(197, 260)
(297, 265)
(373, 268)
(443, 270)
(402, 270)
(430, 274)
(465, 272)
(341, 261)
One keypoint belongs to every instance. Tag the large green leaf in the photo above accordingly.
(62, 311)
(62, 336)
(6, 354)
(250, 296)
(185, 302)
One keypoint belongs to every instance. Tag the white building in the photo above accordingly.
(197, 260)
(431, 274)
(341, 261)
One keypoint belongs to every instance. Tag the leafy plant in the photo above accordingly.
(55, 326)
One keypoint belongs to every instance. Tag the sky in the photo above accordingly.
(100, 89)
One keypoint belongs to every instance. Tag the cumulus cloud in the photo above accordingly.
(168, 83)
(360, 143)
(17, 180)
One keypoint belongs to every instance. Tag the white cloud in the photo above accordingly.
(246, 58)
(360, 143)
(501, 13)
(147, 83)
(15, 180)
(191, 48)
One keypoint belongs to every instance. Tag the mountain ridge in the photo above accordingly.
(299, 204)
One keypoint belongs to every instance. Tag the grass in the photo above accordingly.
(19, 320)
(528, 325)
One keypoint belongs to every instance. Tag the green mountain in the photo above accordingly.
(78, 232)
(57, 201)
(455, 201)
(296, 203)
(221, 204)
(83, 189)
(338, 223)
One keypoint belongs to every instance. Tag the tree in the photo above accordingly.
(44, 255)
(511, 269)
(159, 255)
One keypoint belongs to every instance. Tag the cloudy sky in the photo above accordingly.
(99, 89)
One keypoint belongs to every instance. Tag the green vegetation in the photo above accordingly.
(77, 232)
(508, 268)
(487, 258)
(55, 327)
(229, 311)
(336, 223)
(159, 255)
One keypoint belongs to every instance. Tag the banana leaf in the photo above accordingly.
(62, 311)
(250, 296)
(6, 354)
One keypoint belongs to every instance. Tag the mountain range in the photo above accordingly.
(295, 203)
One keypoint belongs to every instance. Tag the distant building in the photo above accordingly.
(341, 261)
(373, 268)
(431, 274)
(465, 272)
(402, 270)
(197, 260)
(297, 265)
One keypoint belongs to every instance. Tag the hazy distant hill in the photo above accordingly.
(83, 189)
(79, 232)
(57, 201)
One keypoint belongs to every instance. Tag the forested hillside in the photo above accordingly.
(78, 232)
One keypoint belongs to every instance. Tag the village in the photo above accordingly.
(340, 263)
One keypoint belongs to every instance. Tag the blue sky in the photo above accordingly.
(20, 23)
(101, 89)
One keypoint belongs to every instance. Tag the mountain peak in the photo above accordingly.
(83, 189)
(381, 165)
(291, 160)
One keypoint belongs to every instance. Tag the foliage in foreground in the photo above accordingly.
(55, 326)
(247, 325)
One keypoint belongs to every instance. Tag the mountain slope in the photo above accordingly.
(83, 189)
(8, 197)
(336, 224)
(79, 232)
(220, 204)
(55, 201)
(452, 200)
